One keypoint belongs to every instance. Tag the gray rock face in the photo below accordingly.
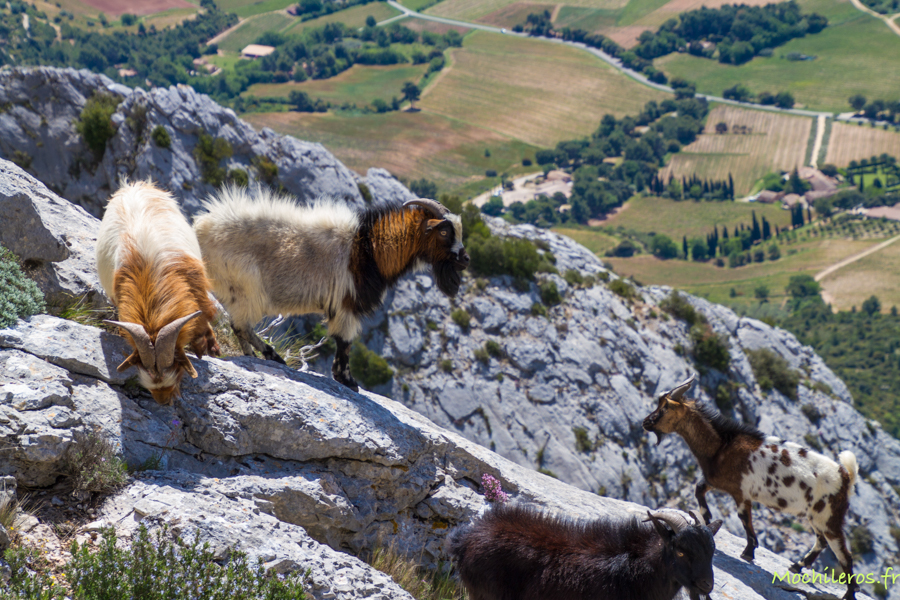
(54, 238)
(288, 467)
(39, 109)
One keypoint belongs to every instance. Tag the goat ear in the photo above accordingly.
(714, 526)
(133, 360)
(431, 224)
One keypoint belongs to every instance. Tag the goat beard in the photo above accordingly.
(448, 276)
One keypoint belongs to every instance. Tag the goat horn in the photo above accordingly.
(165, 341)
(672, 519)
(697, 520)
(437, 210)
(679, 391)
(141, 341)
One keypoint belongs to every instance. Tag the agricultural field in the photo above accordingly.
(856, 53)
(252, 28)
(354, 16)
(358, 84)
(249, 8)
(473, 10)
(535, 91)
(432, 26)
(408, 144)
(853, 142)
(515, 13)
(774, 141)
(595, 241)
(853, 284)
(114, 8)
(673, 8)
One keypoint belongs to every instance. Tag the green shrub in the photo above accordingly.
(446, 365)
(493, 348)
(19, 296)
(812, 440)
(710, 348)
(509, 256)
(160, 137)
(549, 293)
(861, 540)
(461, 318)
(623, 289)
(678, 306)
(95, 124)
(482, 355)
(365, 192)
(368, 367)
(538, 310)
(210, 152)
(421, 583)
(723, 396)
(582, 440)
(773, 371)
(239, 177)
(168, 568)
(812, 413)
(92, 464)
(266, 169)
(573, 277)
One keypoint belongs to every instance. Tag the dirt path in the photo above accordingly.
(447, 68)
(889, 20)
(823, 274)
(224, 34)
(555, 14)
(817, 145)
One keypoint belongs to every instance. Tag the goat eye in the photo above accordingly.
(444, 233)
(680, 554)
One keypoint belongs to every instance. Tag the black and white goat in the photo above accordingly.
(752, 467)
(516, 552)
(266, 256)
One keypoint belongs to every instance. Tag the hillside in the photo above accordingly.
(562, 386)
(289, 467)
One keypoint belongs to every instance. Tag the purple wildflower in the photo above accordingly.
(492, 490)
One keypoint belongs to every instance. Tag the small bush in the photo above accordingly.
(538, 310)
(369, 367)
(20, 297)
(812, 413)
(493, 348)
(495, 256)
(812, 440)
(582, 440)
(622, 288)
(168, 568)
(239, 177)
(482, 355)
(160, 136)
(861, 540)
(266, 170)
(95, 124)
(773, 371)
(446, 365)
(365, 192)
(209, 153)
(573, 277)
(490, 173)
(419, 582)
(92, 464)
(461, 318)
(678, 306)
(723, 397)
(710, 348)
(549, 293)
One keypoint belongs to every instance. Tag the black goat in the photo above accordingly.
(516, 552)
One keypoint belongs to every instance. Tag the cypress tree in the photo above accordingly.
(808, 214)
(755, 234)
(730, 187)
(766, 229)
(684, 246)
(737, 233)
(724, 233)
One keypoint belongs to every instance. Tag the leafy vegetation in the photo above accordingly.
(367, 366)
(210, 152)
(461, 317)
(710, 348)
(421, 583)
(95, 124)
(19, 296)
(160, 136)
(92, 464)
(773, 371)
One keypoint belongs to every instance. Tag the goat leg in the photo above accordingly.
(747, 521)
(249, 340)
(700, 493)
(811, 556)
(340, 368)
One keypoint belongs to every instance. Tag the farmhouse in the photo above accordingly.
(817, 179)
(256, 51)
(791, 200)
(769, 197)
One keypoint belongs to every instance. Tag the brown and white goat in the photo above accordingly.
(752, 467)
(267, 256)
(149, 264)
(517, 552)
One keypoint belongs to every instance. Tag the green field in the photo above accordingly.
(851, 285)
(248, 8)
(532, 90)
(359, 84)
(417, 5)
(589, 19)
(689, 218)
(595, 241)
(409, 145)
(252, 28)
(352, 17)
(473, 10)
(856, 54)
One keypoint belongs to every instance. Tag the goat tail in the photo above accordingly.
(848, 461)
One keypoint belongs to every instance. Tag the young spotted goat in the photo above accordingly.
(740, 460)
(266, 256)
(519, 553)
(149, 264)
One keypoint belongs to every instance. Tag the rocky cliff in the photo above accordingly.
(40, 109)
(565, 393)
(287, 466)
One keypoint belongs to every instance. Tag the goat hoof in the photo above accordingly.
(349, 384)
(748, 556)
(795, 568)
(270, 354)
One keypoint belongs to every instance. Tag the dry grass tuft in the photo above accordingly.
(419, 582)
